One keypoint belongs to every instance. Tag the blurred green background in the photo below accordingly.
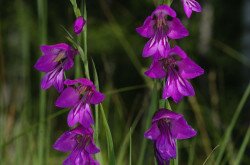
(219, 41)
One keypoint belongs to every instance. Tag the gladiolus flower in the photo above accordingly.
(55, 60)
(79, 24)
(167, 127)
(80, 143)
(78, 96)
(177, 68)
(159, 27)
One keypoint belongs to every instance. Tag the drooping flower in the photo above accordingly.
(159, 27)
(79, 24)
(189, 6)
(55, 60)
(80, 143)
(177, 68)
(78, 96)
(167, 127)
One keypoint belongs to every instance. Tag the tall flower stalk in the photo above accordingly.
(76, 94)
(172, 64)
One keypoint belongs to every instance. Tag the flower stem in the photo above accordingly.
(42, 17)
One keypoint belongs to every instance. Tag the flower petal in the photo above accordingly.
(76, 157)
(147, 30)
(150, 48)
(165, 113)
(66, 142)
(188, 11)
(166, 147)
(58, 81)
(48, 79)
(85, 116)
(46, 63)
(164, 10)
(177, 51)
(80, 114)
(79, 24)
(181, 130)
(185, 87)
(91, 148)
(156, 70)
(68, 98)
(54, 49)
(176, 29)
(171, 90)
(153, 132)
(68, 64)
(188, 69)
(97, 97)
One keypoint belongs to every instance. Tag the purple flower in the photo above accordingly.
(79, 24)
(177, 68)
(167, 126)
(81, 144)
(78, 96)
(189, 6)
(159, 27)
(54, 61)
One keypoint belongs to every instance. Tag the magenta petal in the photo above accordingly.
(150, 47)
(85, 116)
(79, 24)
(185, 87)
(177, 51)
(165, 148)
(171, 90)
(68, 98)
(156, 70)
(187, 9)
(70, 82)
(181, 129)
(176, 29)
(165, 113)
(153, 132)
(54, 49)
(75, 158)
(91, 148)
(164, 10)
(58, 82)
(85, 82)
(66, 142)
(195, 6)
(189, 69)
(68, 64)
(147, 30)
(48, 79)
(80, 114)
(97, 97)
(46, 63)
(73, 117)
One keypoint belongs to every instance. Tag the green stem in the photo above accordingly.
(42, 17)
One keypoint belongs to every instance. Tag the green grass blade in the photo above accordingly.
(206, 160)
(232, 124)
(243, 147)
(42, 18)
(111, 153)
(151, 110)
(123, 147)
(96, 135)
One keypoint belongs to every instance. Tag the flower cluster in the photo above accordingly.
(78, 95)
(172, 64)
